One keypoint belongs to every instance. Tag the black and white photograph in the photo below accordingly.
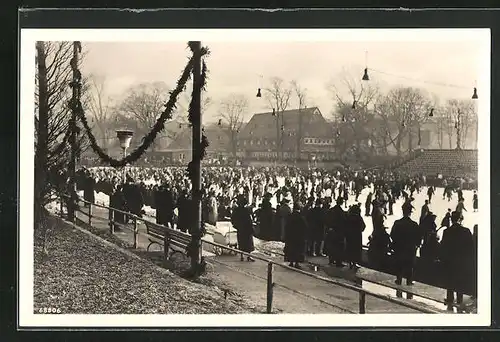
(254, 178)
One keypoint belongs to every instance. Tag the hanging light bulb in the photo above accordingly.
(353, 104)
(431, 113)
(474, 96)
(220, 122)
(259, 93)
(365, 75)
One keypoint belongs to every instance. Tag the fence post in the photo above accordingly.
(362, 302)
(166, 244)
(269, 288)
(135, 232)
(111, 220)
(90, 213)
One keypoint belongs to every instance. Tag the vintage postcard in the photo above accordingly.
(254, 178)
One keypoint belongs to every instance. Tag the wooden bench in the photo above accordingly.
(176, 239)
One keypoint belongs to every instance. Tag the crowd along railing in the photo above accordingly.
(362, 293)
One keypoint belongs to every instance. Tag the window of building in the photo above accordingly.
(258, 142)
(244, 142)
(251, 142)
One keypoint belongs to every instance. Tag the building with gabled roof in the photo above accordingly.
(285, 134)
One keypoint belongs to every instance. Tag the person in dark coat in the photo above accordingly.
(354, 236)
(184, 211)
(295, 237)
(424, 211)
(430, 193)
(368, 204)
(133, 197)
(406, 238)
(316, 222)
(88, 189)
(430, 246)
(335, 238)
(457, 255)
(167, 205)
(242, 221)
(265, 218)
(117, 201)
(474, 201)
(446, 221)
(159, 205)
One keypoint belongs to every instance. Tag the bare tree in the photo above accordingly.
(278, 97)
(301, 94)
(100, 108)
(232, 111)
(144, 103)
(461, 112)
(403, 110)
(354, 109)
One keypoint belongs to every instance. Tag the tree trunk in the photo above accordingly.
(42, 148)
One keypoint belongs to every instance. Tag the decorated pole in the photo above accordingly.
(196, 158)
(75, 85)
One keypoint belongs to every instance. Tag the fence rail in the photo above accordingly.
(270, 263)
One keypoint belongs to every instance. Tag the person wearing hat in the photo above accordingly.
(241, 220)
(424, 211)
(283, 213)
(316, 223)
(133, 197)
(406, 239)
(430, 245)
(457, 256)
(474, 201)
(265, 218)
(354, 236)
(295, 237)
(335, 237)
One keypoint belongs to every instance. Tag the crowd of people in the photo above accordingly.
(306, 209)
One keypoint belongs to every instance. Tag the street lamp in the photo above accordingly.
(124, 136)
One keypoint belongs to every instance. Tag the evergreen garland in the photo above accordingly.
(148, 139)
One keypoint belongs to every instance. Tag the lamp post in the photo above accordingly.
(196, 163)
(124, 136)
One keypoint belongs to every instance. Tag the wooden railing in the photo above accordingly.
(270, 265)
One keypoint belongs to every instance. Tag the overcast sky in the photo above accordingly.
(235, 67)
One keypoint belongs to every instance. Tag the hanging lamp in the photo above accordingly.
(431, 113)
(259, 94)
(365, 74)
(274, 112)
(474, 95)
(220, 122)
